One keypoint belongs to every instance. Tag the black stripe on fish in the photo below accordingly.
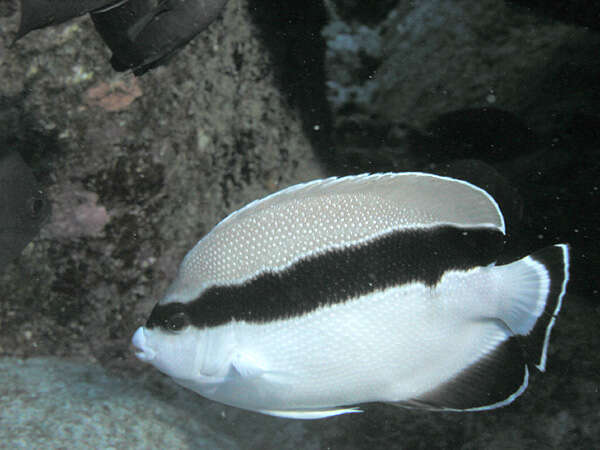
(337, 275)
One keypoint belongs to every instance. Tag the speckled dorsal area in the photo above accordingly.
(272, 233)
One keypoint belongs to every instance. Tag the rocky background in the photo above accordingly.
(133, 171)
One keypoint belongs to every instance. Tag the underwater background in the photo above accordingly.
(107, 179)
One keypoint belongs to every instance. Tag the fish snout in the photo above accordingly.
(144, 352)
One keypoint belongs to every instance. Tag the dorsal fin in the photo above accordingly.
(308, 219)
(435, 198)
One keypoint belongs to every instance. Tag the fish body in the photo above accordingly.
(369, 288)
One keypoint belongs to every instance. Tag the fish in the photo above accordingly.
(142, 34)
(36, 14)
(23, 206)
(367, 288)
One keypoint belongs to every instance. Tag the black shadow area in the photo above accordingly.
(291, 31)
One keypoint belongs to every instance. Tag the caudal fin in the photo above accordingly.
(537, 286)
(529, 292)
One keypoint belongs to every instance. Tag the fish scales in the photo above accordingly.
(358, 289)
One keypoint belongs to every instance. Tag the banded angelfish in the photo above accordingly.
(369, 288)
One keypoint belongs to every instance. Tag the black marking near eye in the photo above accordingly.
(336, 276)
(175, 319)
(177, 322)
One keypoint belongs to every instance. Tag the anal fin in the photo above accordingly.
(495, 380)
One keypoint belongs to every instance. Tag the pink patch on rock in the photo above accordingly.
(75, 213)
(115, 96)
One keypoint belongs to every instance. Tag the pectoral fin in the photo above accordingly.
(246, 366)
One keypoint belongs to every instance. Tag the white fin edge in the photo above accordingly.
(325, 183)
(542, 364)
(109, 7)
(309, 414)
(507, 401)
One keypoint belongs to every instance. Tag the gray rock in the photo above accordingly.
(429, 58)
(49, 403)
(55, 403)
(140, 180)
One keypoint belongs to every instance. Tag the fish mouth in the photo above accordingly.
(144, 352)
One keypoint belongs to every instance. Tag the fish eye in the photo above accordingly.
(176, 322)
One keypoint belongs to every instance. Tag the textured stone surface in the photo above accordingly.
(208, 134)
(49, 403)
(430, 58)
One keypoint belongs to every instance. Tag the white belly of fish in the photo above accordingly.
(390, 345)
